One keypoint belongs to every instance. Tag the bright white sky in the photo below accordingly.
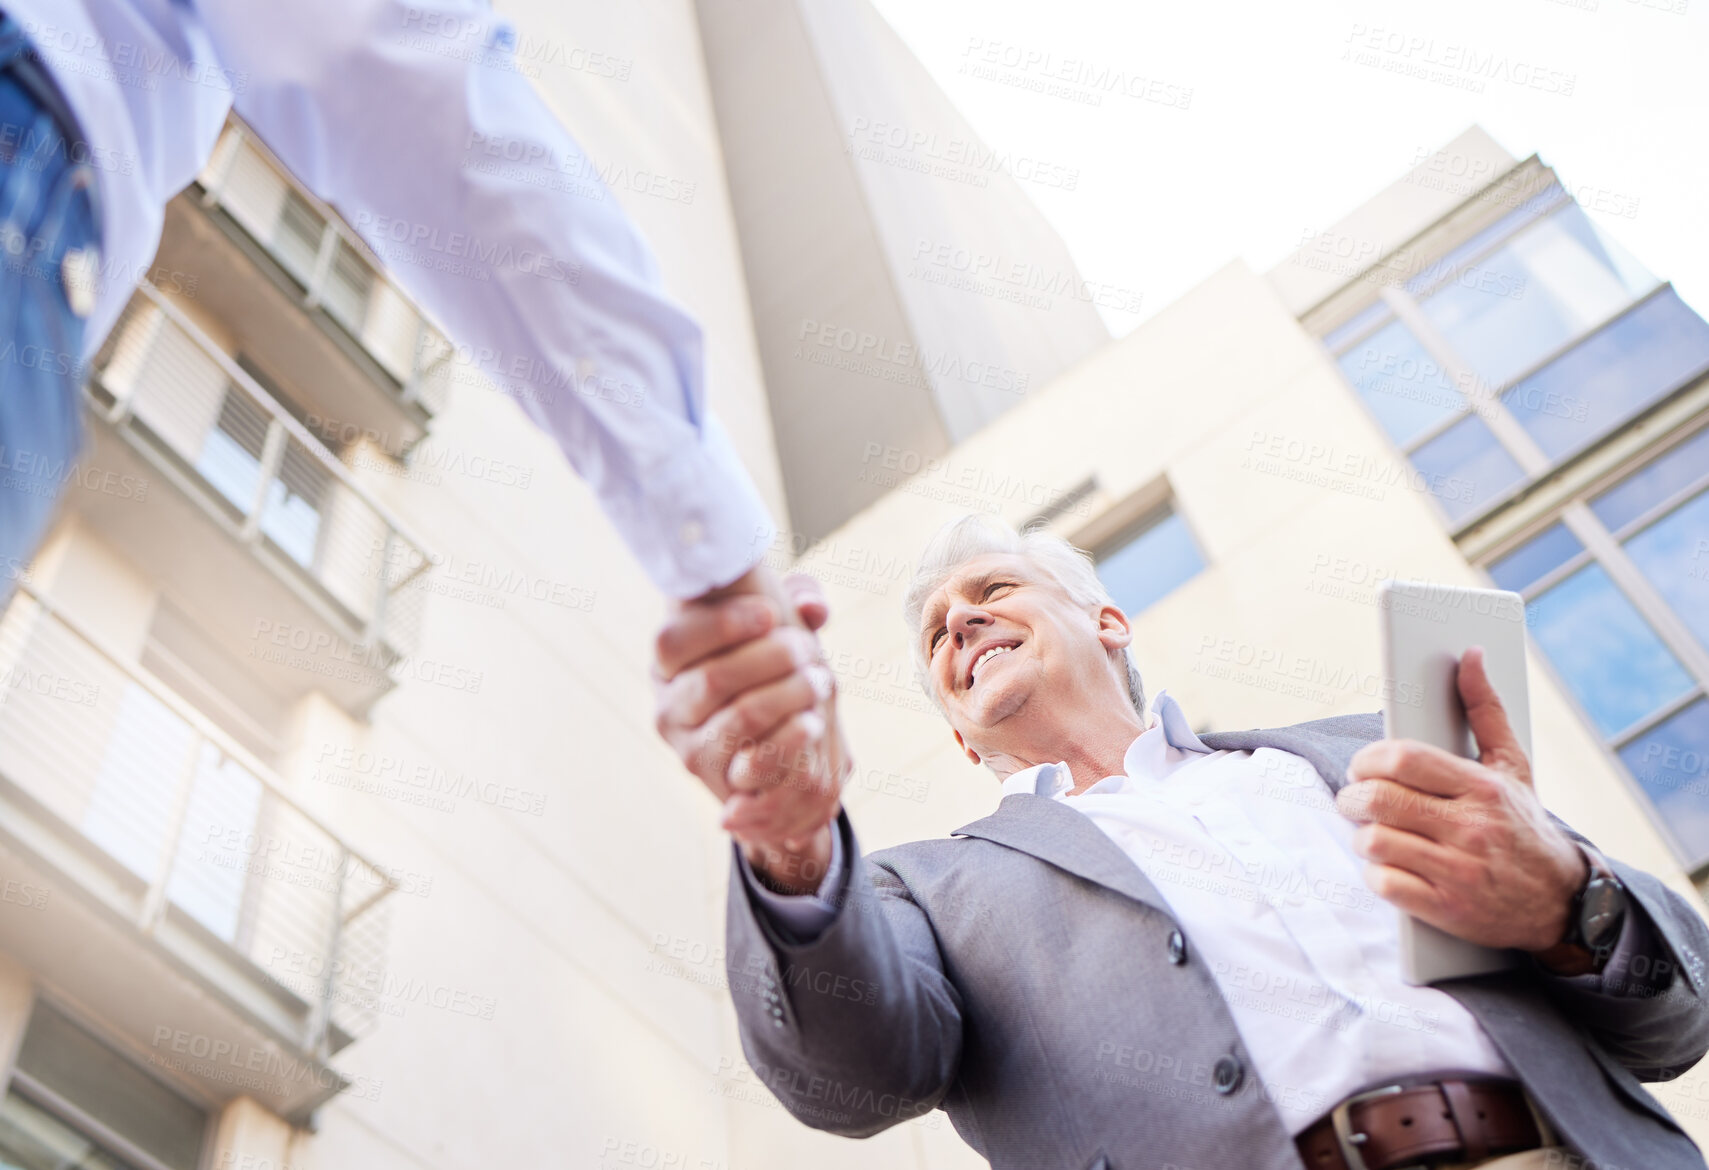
(1282, 135)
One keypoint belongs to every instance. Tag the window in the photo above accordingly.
(347, 288)
(1606, 653)
(1504, 311)
(1418, 402)
(1148, 560)
(1465, 467)
(1401, 383)
(1612, 374)
(1518, 357)
(31, 1138)
(230, 460)
(1618, 592)
(1521, 347)
(76, 1103)
(295, 238)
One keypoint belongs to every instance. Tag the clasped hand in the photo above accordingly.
(1465, 845)
(749, 705)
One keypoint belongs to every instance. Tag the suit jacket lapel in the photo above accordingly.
(1328, 744)
(1064, 837)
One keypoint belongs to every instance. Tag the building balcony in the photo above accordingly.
(159, 876)
(284, 557)
(306, 297)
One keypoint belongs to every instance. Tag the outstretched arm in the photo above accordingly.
(844, 1007)
(414, 121)
(858, 1028)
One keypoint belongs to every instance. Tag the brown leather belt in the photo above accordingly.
(1420, 1124)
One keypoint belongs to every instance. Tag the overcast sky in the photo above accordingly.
(1299, 112)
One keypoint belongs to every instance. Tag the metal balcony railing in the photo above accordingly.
(202, 827)
(210, 426)
(333, 267)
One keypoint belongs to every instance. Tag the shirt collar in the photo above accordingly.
(1164, 746)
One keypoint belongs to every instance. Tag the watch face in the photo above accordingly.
(1602, 913)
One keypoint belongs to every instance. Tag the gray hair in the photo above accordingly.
(977, 535)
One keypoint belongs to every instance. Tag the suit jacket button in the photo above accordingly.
(1227, 1074)
(1177, 948)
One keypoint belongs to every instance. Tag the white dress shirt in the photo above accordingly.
(1258, 868)
(380, 108)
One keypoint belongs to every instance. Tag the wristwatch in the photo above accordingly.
(1594, 922)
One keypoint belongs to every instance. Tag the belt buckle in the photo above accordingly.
(1341, 1119)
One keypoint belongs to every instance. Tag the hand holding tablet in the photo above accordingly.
(1427, 629)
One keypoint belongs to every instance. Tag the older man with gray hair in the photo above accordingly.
(1166, 948)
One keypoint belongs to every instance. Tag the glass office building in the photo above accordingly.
(1550, 391)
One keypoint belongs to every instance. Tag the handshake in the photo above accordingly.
(745, 699)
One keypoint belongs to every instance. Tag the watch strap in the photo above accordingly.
(1573, 955)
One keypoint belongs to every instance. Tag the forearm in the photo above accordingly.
(862, 1015)
(387, 111)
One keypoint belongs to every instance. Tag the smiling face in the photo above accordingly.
(1015, 663)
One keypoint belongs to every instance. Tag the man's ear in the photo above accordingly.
(1114, 630)
(972, 756)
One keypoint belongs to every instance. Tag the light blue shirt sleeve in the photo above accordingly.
(804, 916)
(414, 121)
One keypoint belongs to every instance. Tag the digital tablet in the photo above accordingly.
(1426, 628)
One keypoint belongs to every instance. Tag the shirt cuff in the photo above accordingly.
(803, 917)
(699, 523)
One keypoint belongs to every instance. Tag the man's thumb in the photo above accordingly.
(1487, 718)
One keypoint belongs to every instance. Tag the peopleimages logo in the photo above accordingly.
(961, 485)
(1446, 62)
(951, 157)
(1071, 78)
(316, 651)
(1005, 278)
(137, 65)
(217, 1058)
(495, 43)
(351, 767)
(458, 252)
(37, 474)
(864, 352)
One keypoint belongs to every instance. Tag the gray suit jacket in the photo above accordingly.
(1019, 976)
